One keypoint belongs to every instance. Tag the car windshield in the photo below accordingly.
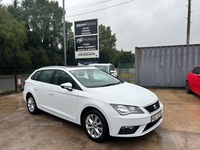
(104, 68)
(94, 78)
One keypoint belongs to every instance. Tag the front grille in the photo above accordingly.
(151, 124)
(153, 107)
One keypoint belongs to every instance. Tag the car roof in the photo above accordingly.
(69, 68)
(100, 64)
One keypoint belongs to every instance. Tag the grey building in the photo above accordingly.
(165, 66)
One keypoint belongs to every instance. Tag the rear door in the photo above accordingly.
(41, 88)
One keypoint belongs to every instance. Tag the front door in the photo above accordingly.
(62, 101)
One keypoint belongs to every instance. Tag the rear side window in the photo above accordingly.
(46, 76)
(36, 75)
(196, 70)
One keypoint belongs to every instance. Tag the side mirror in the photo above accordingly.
(67, 86)
(112, 71)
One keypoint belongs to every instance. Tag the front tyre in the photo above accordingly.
(31, 105)
(95, 126)
(187, 88)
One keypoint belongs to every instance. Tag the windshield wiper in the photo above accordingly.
(111, 84)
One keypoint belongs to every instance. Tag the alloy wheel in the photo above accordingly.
(31, 104)
(94, 126)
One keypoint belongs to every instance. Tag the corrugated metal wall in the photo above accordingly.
(165, 66)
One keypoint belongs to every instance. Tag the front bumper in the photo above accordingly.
(135, 124)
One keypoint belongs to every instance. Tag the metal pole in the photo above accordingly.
(15, 70)
(188, 22)
(52, 48)
(65, 56)
(51, 41)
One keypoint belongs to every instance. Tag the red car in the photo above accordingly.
(193, 81)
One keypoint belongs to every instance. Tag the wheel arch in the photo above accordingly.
(85, 110)
(28, 95)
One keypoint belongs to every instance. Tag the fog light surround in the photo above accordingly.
(128, 129)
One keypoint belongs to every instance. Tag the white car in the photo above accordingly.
(101, 103)
(107, 67)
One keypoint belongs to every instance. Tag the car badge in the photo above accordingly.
(154, 106)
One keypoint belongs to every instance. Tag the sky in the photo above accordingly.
(139, 23)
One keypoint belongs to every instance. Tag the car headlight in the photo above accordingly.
(126, 109)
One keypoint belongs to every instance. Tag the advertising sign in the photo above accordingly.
(86, 39)
(86, 46)
(86, 27)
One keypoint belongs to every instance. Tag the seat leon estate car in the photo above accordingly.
(102, 104)
(193, 81)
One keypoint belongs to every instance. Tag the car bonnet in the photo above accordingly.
(125, 93)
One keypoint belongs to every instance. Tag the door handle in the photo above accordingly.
(51, 93)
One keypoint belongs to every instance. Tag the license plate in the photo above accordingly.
(156, 116)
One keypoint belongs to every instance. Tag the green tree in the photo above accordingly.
(124, 57)
(12, 37)
(40, 16)
(44, 21)
(107, 43)
(39, 57)
(15, 9)
(12, 33)
(70, 44)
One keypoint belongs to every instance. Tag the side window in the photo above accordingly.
(36, 75)
(111, 68)
(196, 70)
(61, 77)
(46, 76)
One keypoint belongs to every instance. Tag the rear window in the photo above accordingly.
(36, 75)
(46, 76)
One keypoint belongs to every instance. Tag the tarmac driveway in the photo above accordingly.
(20, 130)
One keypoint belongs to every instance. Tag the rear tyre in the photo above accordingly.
(95, 126)
(31, 105)
(187, 88)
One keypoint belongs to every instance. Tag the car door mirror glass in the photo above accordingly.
(67, 86)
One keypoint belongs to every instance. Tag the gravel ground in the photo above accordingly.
(180, 129)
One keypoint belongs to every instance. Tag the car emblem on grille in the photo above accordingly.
(154, 106)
